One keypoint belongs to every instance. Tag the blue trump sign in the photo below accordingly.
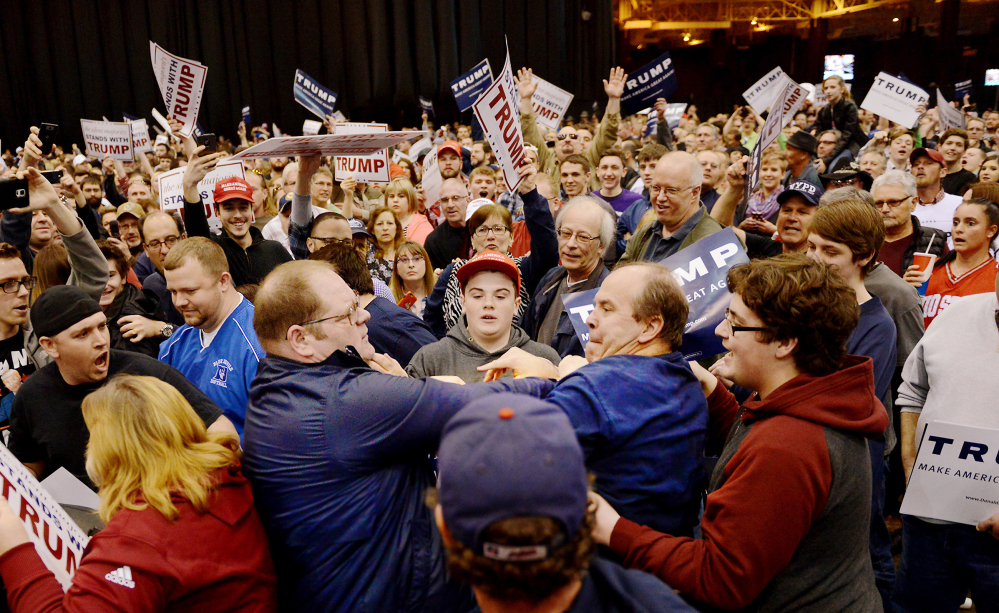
(427, 105)
(642, 87)
(701, 270)
(313, 96)
(468, 87)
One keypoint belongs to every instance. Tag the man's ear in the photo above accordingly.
(786, 348)
(226, 279)
(652, 327)
(49, 346)
(300, 341)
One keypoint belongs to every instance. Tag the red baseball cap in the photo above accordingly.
(489, 260)
(933, 154)
(233, 187)
(449, 145)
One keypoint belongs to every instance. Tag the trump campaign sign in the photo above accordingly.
(371, 168)
(550, 103)
(112, 138)
(182, 83)
(317, 99)
(761, 95)
(468, 87)
(171, 189)
(894, 99)
(644, 86)
(498, 111)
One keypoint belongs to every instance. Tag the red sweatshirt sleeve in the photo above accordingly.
(778, 483)
(723, 409)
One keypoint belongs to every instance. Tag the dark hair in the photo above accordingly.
(954, 132)
(91, 178)
(483, 213)
(399, 234)
(174, 216)
(349, 264)
(9, 252)
(320, 218)
(661, 296)
(854, 223)
(51, 267)
(617, 153)
(991, 214)
(988, 191)
(576, 158)
(797, 298)
(651, 153)
(113, 254)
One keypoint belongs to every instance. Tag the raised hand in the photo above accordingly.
(526, 85)
(614, 84)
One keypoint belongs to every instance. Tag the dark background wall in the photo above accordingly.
(61, 61)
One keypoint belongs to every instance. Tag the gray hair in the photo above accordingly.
(682, 157)
(844, 194)
(832, 131)
(714, 129)
(607, 228)
(897, 178)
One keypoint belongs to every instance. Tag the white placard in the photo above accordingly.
(550, 103)
(432, 181)
(141, 142)
(171, 189)
(326, 144)
(894, 99)
(956, 475)
(365, 168)
(67, 489)
(498, 110)
(182, 83)
(789, 99)
(57, 539)
(160, 119)
(949, 116)
(761, 95)
(674, 113)
(112, 138)
(311, 127)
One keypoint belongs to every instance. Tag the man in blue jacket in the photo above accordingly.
(338, 452)
(637, 408)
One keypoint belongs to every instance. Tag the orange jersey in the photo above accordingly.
(944, 287)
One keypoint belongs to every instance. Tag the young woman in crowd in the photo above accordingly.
(989, 191)
(180, 516)
(760, 215)
(989, 172)
(121, 298)
(400, 196)
(839, 114)
(412, 275)
(386, 232)
(970, 267)
(51, 268)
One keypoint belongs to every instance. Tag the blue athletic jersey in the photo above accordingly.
(224, 369)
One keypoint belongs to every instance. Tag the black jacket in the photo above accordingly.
(843, 117)
(248, 265)
(565, 341)
(132, 301)
(921, 240)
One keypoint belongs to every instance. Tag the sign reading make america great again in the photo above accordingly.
(313, 96)
(644, 86)
(468, 87)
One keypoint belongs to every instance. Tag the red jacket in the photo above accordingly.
(786, 519)
(207, 563)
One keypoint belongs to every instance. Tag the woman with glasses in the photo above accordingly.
(400, 196)
(491, 229)
(412, 275)
(386, 233)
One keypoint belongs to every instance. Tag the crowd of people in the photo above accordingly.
(366, 397)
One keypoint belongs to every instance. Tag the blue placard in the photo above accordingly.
(651, 124)
(701, 270)
(427, 105)
(128, 117)
(644, 86)
(319, 100)
(246, 116)
(962, 89)
(468, 87)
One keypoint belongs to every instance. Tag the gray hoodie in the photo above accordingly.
(458, 355)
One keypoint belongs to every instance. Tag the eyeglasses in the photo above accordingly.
(582, 239)
(455, 199)
(734, 328)
(349, 315)
(12, 286)
(891, 203)
(671, 192)
(329, 240)
(169, 241)
(569, 136)
(416, 259)
(481, 231)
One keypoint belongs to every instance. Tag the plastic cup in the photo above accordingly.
(925, 262)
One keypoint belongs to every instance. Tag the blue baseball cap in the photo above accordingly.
(509, 455)
(811, 193)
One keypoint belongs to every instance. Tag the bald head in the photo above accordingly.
(676, 189)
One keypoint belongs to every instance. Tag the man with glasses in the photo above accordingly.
(681, 220)
(584, 229)
(450, 240)
(340, 473)
(895, 197)
(216, 348)
(826, 145)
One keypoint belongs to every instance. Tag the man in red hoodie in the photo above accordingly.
(785, 526)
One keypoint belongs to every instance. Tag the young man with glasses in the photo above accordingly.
(785, 526)
(681, 220)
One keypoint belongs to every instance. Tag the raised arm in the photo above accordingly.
(526, 86)
(541, 226)
(195, 217)
(724, 210)
(606, 136)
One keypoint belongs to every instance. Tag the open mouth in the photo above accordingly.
(102, 361)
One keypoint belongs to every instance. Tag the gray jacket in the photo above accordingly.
(458, 355)
(89, 273)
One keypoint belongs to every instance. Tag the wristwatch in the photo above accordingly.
(166, 330)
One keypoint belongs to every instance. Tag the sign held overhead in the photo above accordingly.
(652, 81)
(182, 83)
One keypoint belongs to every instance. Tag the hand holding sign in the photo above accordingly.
(990, 525)
(12, 532)
(529, 173)
(197, 168)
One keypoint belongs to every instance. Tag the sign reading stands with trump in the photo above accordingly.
(182, 83)
(956, 474)
(498, 111)
(57, 539)
(701, 270)
(112, 138)
(171, 189)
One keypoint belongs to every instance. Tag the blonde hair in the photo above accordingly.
(205, 251)
(147, 444)
(404, 187)
(842, 85)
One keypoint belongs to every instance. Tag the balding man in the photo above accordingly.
(584, 229)
(340, 473)
(681, 220)
(450, 240)
(570, 141)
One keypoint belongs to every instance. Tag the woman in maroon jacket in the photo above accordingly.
(182, 532)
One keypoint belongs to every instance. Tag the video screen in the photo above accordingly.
(839, 65)
(992, 76)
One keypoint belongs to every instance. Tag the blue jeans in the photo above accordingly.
(880, 543)
(941, 563)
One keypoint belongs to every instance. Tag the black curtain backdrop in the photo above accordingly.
(63, 61)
